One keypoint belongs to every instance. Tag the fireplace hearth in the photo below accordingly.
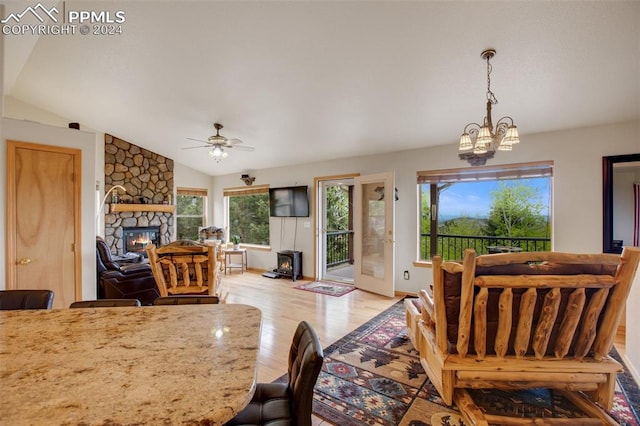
(137, 238)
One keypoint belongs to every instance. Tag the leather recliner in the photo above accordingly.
(123, 281)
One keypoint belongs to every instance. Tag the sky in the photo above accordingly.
(473, 199)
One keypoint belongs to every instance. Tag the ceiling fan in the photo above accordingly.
(219, 144)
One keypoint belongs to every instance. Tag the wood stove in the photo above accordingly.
(137, 238)
(290, 264)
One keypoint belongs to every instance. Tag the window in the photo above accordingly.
(489, 209)
(191, 205)
(248, 214)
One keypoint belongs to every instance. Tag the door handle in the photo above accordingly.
(24, 261)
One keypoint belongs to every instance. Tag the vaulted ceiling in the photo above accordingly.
(305, 81)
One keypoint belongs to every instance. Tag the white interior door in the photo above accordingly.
(374, 247)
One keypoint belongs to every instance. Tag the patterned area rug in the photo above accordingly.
(327, 287)
(373, 376)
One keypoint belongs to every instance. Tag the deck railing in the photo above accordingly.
(339, 246)
(451, 247)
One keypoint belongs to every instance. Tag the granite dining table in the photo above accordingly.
(171, 365)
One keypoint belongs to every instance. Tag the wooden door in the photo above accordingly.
(373, 207)
(43, 220)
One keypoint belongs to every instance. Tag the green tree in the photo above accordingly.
(249, 218)
(468, 226)
(337, 206)
(190, 216)
(517, 211)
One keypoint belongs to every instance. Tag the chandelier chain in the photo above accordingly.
(490, 96)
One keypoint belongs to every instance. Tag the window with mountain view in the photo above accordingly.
(491, 210)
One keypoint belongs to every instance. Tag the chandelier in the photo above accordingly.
(487, 139)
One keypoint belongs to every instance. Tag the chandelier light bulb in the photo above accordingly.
(505, 147)
(484, 136)
(511, 137)
(480, 148)
(465, 142)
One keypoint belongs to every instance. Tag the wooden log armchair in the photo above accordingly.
(524, 320)
(184, 268)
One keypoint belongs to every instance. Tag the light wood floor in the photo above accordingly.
(283, 307)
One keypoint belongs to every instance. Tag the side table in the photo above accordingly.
(228, 257)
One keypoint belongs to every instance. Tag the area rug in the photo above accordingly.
(373, 376)
(327, 287)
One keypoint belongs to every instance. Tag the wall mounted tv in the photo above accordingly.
(290, 201)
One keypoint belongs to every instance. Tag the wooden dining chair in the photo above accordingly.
(105, 303)
(180, 268)
(26, 299)
(187, 300)
(288, 403)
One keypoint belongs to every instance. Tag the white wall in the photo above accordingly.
(27, 131)
(577, 191)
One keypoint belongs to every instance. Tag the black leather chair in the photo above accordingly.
(187, 300)
(123, 281)
(105, 303)
(25, 299)
(279, 404)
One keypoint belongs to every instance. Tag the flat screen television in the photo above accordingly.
(290, 201)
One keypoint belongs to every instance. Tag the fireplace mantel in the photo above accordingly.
(167, 208)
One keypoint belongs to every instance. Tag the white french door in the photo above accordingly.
(374, 247)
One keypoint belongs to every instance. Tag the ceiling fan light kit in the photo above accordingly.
(218, 144)
(487, 139)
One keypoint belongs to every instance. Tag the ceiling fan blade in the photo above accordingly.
(197, 140)
(199, 146)
(242, 147)
(234, 141)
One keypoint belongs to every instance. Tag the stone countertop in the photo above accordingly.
(185, 364)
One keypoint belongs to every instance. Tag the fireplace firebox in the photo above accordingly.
(136, 239)
(290, 264)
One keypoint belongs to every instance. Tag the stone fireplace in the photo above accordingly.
(148, 180)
